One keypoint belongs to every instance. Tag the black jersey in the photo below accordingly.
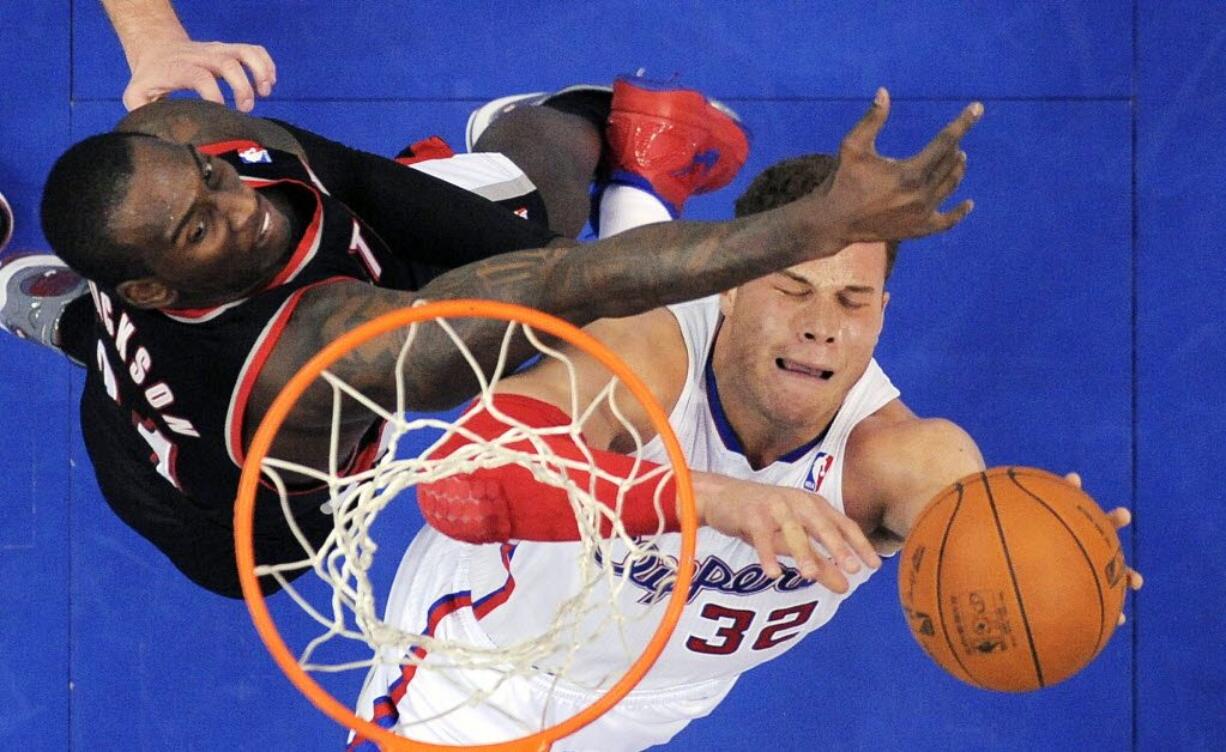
(167, 391)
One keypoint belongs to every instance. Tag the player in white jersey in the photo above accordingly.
(791, 425)
(777, 402)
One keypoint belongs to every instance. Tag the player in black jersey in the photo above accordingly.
(222, 259)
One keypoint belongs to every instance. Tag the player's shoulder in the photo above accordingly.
(896, 455)
(651, 343)
(652, 346)
(894, 439)
(324, 311)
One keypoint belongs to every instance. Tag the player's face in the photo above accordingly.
(798, 340)
(204, 234)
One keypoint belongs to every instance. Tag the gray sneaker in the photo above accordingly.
(34, 289)
(483, 116)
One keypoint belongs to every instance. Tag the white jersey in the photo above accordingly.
(736, 617)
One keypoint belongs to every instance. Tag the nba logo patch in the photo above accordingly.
(817, 471)
(254, 154)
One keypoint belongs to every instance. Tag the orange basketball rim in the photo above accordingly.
(245, 508)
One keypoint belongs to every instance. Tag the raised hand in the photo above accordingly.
(786, 521)
(877, 198)
(165, 66)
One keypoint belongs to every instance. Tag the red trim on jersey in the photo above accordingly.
(364, 458)
(483, 607)
(507, 503)
(221, 147)
(256, 359)
(307, 247)
(200, 315)
(384, 711)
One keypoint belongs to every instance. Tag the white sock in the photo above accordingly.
(624, 207)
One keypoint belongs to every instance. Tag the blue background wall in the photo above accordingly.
(1075, 321)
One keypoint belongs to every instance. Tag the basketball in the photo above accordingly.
(1012, 579)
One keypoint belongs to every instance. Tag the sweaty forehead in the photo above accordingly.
(163, 185)
(859, 264)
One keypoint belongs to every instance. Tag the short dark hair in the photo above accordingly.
(86, 185)
(784, 182)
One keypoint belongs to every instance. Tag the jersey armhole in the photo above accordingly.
(692, 319)
(253, 366)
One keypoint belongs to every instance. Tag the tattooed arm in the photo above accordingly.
(868, 198)
(630, 273)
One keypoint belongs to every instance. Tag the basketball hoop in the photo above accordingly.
(356, 500)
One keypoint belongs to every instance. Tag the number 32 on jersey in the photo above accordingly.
(735, 624)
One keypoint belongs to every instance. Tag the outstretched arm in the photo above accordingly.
(869, 198)
(163, 59)
(903, 466)
(900, 466)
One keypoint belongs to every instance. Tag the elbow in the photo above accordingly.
(466, 507)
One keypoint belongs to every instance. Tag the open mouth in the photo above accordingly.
(801, 369)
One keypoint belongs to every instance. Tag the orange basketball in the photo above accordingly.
(1012, 579)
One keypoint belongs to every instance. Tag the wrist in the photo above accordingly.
(698, 507)
(149, 38)
(821, 228)
(706, 487)
(141, 28)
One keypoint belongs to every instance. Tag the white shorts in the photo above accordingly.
(519, 705)
(492, 176)
(487, 174)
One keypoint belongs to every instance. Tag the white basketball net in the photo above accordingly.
(593, 612)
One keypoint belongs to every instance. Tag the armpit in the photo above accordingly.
(885, 542)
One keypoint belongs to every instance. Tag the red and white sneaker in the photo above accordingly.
(672, 142)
